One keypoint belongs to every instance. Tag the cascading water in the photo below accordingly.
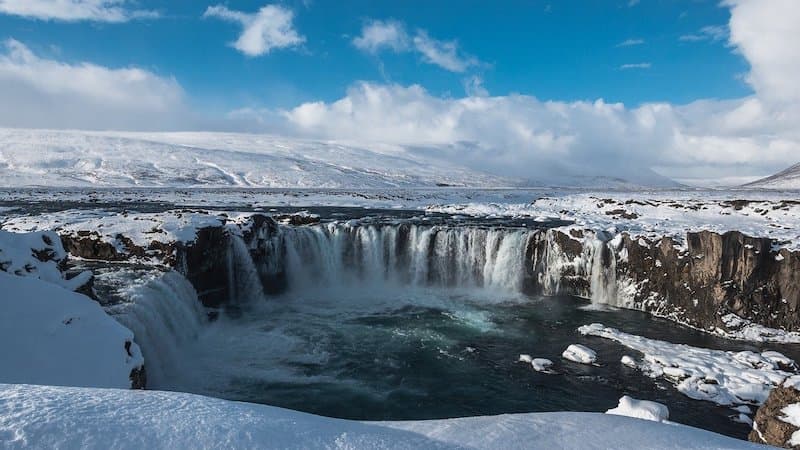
(408, 255)
(244, 282)
(165, 315)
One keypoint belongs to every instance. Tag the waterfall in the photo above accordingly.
(603, 272)
(164, 314)
(347, 254)
(244, 281)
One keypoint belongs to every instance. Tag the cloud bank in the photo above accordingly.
(54, 94)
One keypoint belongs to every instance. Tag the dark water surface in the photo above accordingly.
(438, 354)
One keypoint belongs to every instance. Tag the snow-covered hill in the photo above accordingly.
(785, 179)
(82, 158)
(77, 158)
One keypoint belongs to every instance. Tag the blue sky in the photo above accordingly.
(550, 50)
(691, 89)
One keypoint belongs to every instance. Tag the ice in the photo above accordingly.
(580, 354)
(542, 365)
(722, 377)
(641, 409)
(539, 364)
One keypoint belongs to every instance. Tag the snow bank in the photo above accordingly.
(640, 409)
(53, 417)
(580, 354)
(50, 335)
(37, 255)
(743, 329)
(107, 226)
(722, 377)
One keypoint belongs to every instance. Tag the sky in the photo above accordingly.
(700, 91)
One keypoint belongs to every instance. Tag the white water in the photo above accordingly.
(165, 315)
(244, 282)
(358, 267)
(404, 255)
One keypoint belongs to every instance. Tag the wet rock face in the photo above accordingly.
(715, 275)
(768, 428)
(697, 283)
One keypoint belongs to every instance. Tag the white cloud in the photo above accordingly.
(75, 10)
(40, 92)
(766, 32)
(726, 140)
(644, 65)
(712, 33)
(444, 54)
(269, 28)
(630, 42)
(526, 137)
(632, 3)
(377, 35)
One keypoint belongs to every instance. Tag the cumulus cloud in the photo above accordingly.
(378, 35)
(269, 28)
(75, 10)
(526, 137)
(766, 33)
(41, 92)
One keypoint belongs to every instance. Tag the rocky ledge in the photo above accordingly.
(778, 420)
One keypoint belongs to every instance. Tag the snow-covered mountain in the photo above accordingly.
(785, 179)
(83, 158)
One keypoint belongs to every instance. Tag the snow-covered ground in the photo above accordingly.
(59, 417)
(84, 158)
(658, 214)
(54, 336)
(79, 158)
(723, 377)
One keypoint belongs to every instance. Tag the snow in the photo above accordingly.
(656, 214)
(722, 377)
(51, 335)
(786, 179)
(82, 158)
(791, 415)
(580, 354)
(107, 226)
(539, 364)
(67, 418)
(37, 255)
(542, 365)
(743, 329)
(641, 409)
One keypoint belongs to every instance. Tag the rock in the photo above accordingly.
(768, 426)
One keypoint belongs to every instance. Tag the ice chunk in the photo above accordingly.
(580, 354)
(641, 409)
